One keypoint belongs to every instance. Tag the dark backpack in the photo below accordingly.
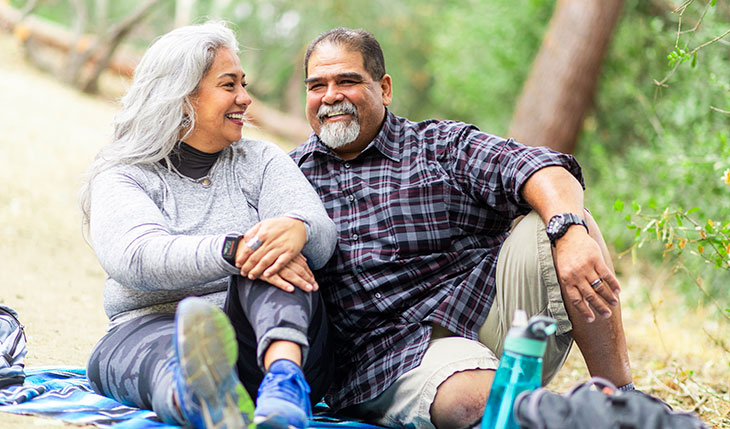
(12, 348)
(598, 404)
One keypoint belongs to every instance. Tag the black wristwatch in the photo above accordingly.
(559, 224)
(230, 245)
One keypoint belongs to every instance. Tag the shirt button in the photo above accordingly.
(351, 198)
(378, 295)
(347, 165)
(355, 236)
(359, 269)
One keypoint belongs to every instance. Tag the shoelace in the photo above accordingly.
(289, 384)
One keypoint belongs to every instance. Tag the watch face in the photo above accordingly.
(553, 226)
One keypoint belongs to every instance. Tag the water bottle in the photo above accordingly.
(520, 368)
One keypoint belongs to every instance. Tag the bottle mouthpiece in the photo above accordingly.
(529, 337)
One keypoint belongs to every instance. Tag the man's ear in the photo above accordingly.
(386, 85)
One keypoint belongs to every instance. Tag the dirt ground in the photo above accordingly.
(48, 135)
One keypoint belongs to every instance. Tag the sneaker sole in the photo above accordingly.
(272, 422)
(207, 352)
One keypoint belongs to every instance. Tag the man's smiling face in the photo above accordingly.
(345, 106)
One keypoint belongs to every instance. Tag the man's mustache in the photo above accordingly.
(343, 107)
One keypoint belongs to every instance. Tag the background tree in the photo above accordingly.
(86, 52)
(563, 80)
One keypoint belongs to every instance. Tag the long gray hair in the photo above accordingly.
(157, 109)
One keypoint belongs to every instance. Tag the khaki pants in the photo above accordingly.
(526, 279)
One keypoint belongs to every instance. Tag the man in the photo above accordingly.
(426, 277)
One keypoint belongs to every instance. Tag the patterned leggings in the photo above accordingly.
(131, 363)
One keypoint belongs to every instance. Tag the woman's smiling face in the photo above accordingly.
(219, 103)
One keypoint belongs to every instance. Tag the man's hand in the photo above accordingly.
(295, 274)
(269, 247)
(579, 262)
(577, 255)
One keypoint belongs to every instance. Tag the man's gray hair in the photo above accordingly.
(356, 40)
(157, 106)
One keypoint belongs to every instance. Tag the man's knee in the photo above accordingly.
(461, 398)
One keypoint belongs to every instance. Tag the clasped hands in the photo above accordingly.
(278, 259)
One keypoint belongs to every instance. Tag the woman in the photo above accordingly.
(178, 206)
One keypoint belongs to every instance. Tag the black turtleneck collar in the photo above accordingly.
(191, 162)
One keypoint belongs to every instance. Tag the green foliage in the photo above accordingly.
(275, 34)
(664, 147)
(463, 60)
(480, 63)
(680, 232)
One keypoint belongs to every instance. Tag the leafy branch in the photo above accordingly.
(680, 55)
(680, 232)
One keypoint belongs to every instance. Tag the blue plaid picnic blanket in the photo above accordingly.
(64, 393)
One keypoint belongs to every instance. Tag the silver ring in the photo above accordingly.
(596, 282)
(254, 243)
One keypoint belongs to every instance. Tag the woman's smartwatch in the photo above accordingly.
(230, 246)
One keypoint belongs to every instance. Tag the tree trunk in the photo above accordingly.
(295, 87)
(77, 56)
(562, 83)
(218, 7)
(101, 13)
(183, 12)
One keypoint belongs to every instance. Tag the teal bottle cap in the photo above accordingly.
(525, 346)
(529, 337)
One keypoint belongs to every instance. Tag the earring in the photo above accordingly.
(186, 121)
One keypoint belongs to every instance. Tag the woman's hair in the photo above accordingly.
(157, 107)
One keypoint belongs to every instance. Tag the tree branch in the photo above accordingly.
(699, 21)
(28, 8)
(109, 42)
(688, 55)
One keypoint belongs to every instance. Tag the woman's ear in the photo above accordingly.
(186, 122)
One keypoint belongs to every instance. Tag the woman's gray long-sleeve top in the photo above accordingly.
(158, 235)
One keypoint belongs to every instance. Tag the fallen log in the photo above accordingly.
(50, 34)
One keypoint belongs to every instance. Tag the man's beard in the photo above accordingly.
(341, 133)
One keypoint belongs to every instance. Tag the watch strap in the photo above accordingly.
(563, 221)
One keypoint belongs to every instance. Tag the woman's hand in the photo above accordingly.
(270, 246)
(295, 274)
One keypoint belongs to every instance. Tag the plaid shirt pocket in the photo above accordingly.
(420, 219)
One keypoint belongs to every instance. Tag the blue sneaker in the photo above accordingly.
(210, 394)
(283, 398)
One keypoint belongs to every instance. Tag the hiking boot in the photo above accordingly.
(209, 392)
(283, 398)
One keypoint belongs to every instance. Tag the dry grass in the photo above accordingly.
(49, 135)
(677, 353)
